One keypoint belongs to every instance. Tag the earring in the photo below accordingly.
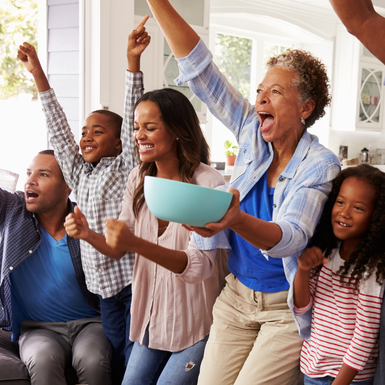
(177, 138)
(303, 121)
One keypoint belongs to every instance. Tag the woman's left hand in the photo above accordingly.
(230, 219)
(118, 235)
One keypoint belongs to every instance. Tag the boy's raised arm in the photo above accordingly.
(179, 35)
(28, 56)
(138, 40)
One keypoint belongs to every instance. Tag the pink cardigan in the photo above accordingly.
(176, 308)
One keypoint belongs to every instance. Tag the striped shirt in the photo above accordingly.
(345, 324)
(98, 190)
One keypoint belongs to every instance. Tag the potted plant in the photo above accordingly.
(230, 152)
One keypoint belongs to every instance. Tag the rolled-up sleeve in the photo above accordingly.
(194, 64)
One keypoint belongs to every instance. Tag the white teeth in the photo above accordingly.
(343, 224)
(263, 113)
(145, 147)
(88, 148)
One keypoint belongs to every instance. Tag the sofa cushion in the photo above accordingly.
(11, 366)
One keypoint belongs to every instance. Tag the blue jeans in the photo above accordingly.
(116, 316)
(329, 380)
(150, 366)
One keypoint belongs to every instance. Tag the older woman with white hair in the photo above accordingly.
(281, 180)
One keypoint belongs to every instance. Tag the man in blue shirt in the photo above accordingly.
(44, 303)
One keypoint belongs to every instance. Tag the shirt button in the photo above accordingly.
(244, 151)
(30, 251)
(11, 268)
(281, 178)
(274, 205)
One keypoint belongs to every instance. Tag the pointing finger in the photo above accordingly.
(142, 23)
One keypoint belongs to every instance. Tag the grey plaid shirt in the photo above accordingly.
(98, 190)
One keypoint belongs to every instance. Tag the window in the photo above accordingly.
(242, 60)
(233, 57)
(23, 131)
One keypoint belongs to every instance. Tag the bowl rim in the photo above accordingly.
(190, 184)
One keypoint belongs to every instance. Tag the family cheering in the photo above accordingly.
(292, 294)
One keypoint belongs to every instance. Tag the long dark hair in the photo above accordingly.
(369, 255)
(181, 120)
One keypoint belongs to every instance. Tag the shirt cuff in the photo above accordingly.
(217, 241)
(280, 249)
(302, 310)
(194, 63)
(47, 96)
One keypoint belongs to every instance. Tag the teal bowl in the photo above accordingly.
(185, 203)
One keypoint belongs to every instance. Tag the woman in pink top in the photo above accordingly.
(174, 284)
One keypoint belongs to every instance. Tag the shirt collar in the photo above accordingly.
(299, 154)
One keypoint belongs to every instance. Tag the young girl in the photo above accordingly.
(346, 292)
(174, 284)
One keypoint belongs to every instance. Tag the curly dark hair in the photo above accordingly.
(181, 120)
(369, 255)
(312, 80)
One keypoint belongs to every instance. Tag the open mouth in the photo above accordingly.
(266, 119)
(343, 224)
(88, 148)
(30, 195)
(145, 147)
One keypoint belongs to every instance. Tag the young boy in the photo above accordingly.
(97, 178)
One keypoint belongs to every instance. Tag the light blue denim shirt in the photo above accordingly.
(302, 187)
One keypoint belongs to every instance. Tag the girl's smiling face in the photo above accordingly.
(155, 143)
(353, 209)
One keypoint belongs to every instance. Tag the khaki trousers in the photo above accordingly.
(253, 339)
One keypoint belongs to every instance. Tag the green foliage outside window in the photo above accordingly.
(271, 50)
(18, 23)
(233, 57)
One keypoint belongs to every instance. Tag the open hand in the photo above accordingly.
(310, 258)
(76, 225)
(118, 235)
(28, 56)
(231, 218)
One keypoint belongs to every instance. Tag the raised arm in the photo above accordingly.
(28, 56)
(138, 40)
(179, 35)
(362, 21)
(61, 137)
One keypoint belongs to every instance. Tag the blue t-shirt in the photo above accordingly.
(45, 288)
(246, 262)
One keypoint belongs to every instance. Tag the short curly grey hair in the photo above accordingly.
(311, 81)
